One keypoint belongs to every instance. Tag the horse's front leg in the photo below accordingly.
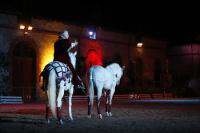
(71, 91)
(59, 102)
(107, 94)
(112, 91)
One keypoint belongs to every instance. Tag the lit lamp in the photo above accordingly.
(22, 27)
(92, 33)
(139, 41)
(30, 28)
(139, 44)
(25, 28)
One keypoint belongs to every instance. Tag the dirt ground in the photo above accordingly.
(128, 117)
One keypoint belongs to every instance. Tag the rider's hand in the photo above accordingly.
(74, 44)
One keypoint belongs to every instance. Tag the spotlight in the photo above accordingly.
(30, 27)
(139, 40)
(139, 44)
(22, 27)
(92, 33)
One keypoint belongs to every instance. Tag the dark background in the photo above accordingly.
(176, 22)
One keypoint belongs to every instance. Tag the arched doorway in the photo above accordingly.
(23, 71)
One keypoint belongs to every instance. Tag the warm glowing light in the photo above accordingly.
(22, 27)
(30, 27)
(139, 44)
(26, 32)
(46, 56)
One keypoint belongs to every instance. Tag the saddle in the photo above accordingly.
(62, 73)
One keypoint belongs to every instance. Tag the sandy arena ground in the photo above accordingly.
(128, 117)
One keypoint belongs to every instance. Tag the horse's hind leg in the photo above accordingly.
(89, 107)
(91, 88)
(59, 102)
(47, 111)
(98, 99)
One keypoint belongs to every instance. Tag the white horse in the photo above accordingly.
(103, 79)
(57, 78)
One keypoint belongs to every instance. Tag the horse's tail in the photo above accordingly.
(51, 93)
(40, 76)
(91, 86)
(43, 74)
(44, 80)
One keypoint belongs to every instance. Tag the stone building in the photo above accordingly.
(24, 54)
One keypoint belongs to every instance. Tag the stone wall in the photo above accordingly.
(112, 46)
(185, 68)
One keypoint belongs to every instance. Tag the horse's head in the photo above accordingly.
(119, 74)
(117, 71)
(73, 58)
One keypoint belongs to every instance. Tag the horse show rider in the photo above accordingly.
(61, 48)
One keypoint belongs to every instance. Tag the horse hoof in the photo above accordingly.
(107, 114)
(100, 116)
(71, 119)
(110, 114)
(61, 123)
(89, 116)
(48, 122)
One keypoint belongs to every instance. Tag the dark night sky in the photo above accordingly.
(177, 23)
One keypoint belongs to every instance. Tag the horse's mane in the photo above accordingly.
(113, 66)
